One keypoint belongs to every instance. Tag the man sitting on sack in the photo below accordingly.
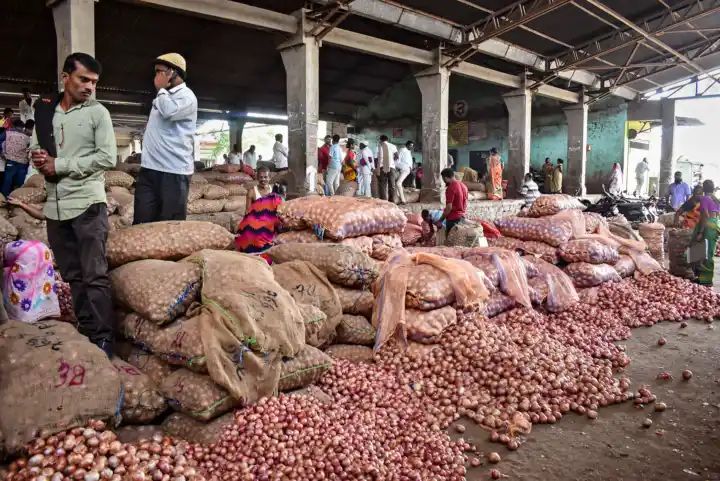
(456, 200)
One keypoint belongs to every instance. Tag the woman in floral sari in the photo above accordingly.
(494, 176)
(708, 229)
(257, 230)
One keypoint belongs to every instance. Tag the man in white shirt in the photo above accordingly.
(26, 109)
(167, 164)
(366, 165)
(403, 165)
(280, 154)
(250, 157)
(641, 176)
(332, 175)
(387, 155)
(233, 157)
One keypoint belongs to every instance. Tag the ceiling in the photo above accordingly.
(235, 68)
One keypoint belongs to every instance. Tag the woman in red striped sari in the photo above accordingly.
(256, 232)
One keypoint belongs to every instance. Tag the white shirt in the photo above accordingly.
(392, 151)
(280, 155)
(641, 170)
(250, 158)
(26, 110)
(366, 155)
(234, 158)
(405, 160)
(169, 143)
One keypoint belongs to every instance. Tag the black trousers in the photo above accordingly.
(160, 196)
(449, 224)
(79, 248)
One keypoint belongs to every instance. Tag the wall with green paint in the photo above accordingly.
(400, 108)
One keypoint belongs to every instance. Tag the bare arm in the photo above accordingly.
(249, 199)
(32, 211)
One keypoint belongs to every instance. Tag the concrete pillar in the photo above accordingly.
(667, 147)
(434, 84)
(575, 164)
(74, 28)
(519, 105)
(301, 57)
(236, 127)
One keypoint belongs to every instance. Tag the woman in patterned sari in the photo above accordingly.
(256, 232)
(494, 176)
(708, 229)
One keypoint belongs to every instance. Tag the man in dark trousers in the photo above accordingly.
(72, 146)
(162, 186)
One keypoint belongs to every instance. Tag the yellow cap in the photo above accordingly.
(174, 60)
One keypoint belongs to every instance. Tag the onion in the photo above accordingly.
(687, 374)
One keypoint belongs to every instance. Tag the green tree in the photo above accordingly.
(222, 146)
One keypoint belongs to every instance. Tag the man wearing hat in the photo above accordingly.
(162, 186)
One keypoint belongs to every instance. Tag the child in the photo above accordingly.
(430, 219)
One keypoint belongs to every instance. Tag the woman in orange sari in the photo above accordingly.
(493, 177)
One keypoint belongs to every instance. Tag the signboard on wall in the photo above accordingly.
(397, 133)
(458, 133)
(460, 109)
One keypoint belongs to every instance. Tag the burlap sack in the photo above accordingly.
(588, 250)
(248, 329)
(428, 288)
(150, 365)
(426, 326)
(538, 290)
(236, 190)
(53, 379)
(235, 202)
(169, 240)
(296, 236)
(158, 290)
(363, 243)
(355, 301)
(498, 303)
(215, 192)
(339, 217)
(8, 231)
(196, 191)
(136, 434)
(118, 178)
(591, 275)
(35, 180)
(411, 235)
(313, 392)
(347, 188)
(29, 195)
(198, 179)
(180, 426)
(227, 168)
(341, 264)
(470, 175)
(205, 206)
(196, 395)
(304, 369)
(467, 234)
(315, 321)
(593, 220)
(554, 232)
(128, 168)
(625, 266)
(178, 343)
(384, 245)
(350, 352)
(475, 186)
(678, 242)
(309, 285)
(124, 199)
(355, 330)
(553, 204)
(142, 402)
(227, 220)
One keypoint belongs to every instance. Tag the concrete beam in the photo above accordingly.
(519, 106)
(233, 12)
(667, 146)
(74, 29)
(577, 120)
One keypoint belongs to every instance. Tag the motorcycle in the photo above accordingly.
(636, 210)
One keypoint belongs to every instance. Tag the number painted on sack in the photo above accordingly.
(70, 375)
(178, 341)
(127, 370)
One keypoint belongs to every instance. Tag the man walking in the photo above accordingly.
(280, 154)
(167, 164)
(387, 155)
(641, 174)
(678, 192)
(332, 178)
(73, 144)
(404, 166)
(366, 165)
(250, 157)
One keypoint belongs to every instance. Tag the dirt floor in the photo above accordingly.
(683, 442)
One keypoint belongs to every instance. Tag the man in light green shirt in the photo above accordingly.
(72, 146)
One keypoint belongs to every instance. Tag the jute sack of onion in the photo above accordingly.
(205, 206)
(355, 301)
(355, 330)
(341, 264)
(158, 290)
(182, 426)
(552, 204)
(168, 240)
(588, 250)
(549, 230)
(149, 364)
(590, 275)
(116, 178)
(142, 402)
(304, 369)
(48, 369)
(178, 343)
(196, 395)
(426, 326)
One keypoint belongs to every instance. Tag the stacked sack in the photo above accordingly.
(372, 226)
(181, 317)
(654, 235)
(350, 272)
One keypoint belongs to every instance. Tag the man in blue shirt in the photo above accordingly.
(332, 176)
(167, 160)
(678, 192)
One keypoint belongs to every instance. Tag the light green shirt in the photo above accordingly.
(86, 148)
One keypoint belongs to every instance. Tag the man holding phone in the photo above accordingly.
(72, 145)
(167, 160)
